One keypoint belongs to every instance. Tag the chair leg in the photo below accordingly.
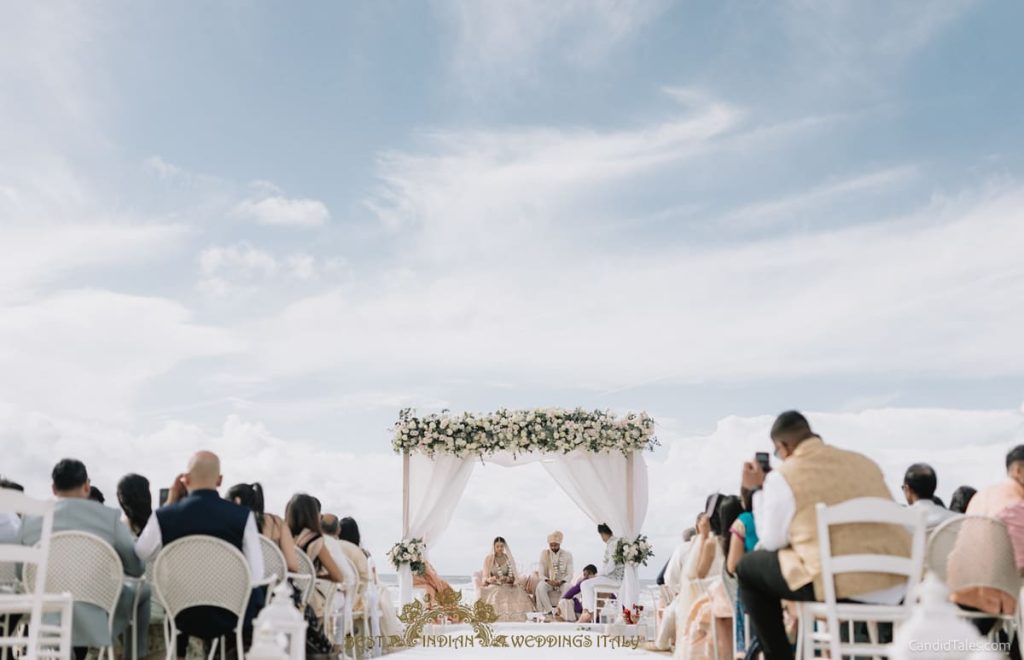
(172, 643)
(240, 649)
(213, 649)
(7, 632)
(800, 642)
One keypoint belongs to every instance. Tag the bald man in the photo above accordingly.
(555, 573)
(194, 508)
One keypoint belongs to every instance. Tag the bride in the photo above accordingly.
(509, 600)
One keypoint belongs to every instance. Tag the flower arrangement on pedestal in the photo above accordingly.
(409, 552)
(635, 552)
(547, 430)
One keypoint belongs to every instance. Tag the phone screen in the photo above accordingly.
(764, 460)
(164, 494)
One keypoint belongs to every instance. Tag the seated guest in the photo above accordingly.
(571, 605)
(74, 511)
(431, 583)
(194, 508)
(269, 525)
(610, 575)
(919, 485)
(744, 533)
(303, 519)
(330, 527)
(788, 567)
(961, 498)
(136, 501)
(663, 574)
(10, 523)
(990, 501)
(351, 540)
(712, 607)
(672, 583)
(96, 495)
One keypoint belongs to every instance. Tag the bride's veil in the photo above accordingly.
(489, 562)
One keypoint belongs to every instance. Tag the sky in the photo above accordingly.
(264, 229)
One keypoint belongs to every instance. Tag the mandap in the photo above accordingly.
(596, 457)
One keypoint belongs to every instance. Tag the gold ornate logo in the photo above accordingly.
(449, 608)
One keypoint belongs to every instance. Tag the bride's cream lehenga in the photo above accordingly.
(511, 602)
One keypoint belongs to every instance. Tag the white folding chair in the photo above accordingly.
(859, 511)
(199, 571)
(998, 569)
(339, 617)
(305, 578)
(9, 585)
(85, 566)
(275, 568)
(140, 584)
(940, 543)
(42, 640)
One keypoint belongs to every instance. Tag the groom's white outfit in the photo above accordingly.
(608, 577)
(555, 567)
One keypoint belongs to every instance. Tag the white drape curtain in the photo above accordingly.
(597, 484)
(435, 487)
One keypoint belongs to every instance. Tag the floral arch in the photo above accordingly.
(595, 456)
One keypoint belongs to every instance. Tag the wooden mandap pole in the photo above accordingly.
(405, 495)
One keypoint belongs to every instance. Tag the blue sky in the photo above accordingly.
(258, 224)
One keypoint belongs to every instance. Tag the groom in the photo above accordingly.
(555, 573)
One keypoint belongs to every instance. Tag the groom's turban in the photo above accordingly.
(555, 537)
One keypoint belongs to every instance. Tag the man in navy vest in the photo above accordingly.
(195, 508)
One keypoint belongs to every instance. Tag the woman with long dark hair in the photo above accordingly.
(136, 501)
(303, 519)
(269, 525)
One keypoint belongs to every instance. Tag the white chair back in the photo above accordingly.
(9, 576)
(858, 511)
(982, 556)
(202, 571)
(941, 541)
(274, 564)
(85, 566)
(305, 580)
(12, 501)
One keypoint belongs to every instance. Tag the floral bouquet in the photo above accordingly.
(633, 553)
(409, 552)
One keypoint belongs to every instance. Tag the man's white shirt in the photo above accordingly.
(774, 508)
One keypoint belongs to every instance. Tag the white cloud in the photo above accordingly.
(283, 211)
(499, 274)
(86, 353)
(493, 190)
(820, 198)
(161, 167)
(857, 47)
(33, 255)
(231, 269)
(522, 504)
(511, 40)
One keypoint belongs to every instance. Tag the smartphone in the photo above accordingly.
(763, 460)
(164, 494)
(712, 505)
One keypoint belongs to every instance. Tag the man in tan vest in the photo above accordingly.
(787, 565)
